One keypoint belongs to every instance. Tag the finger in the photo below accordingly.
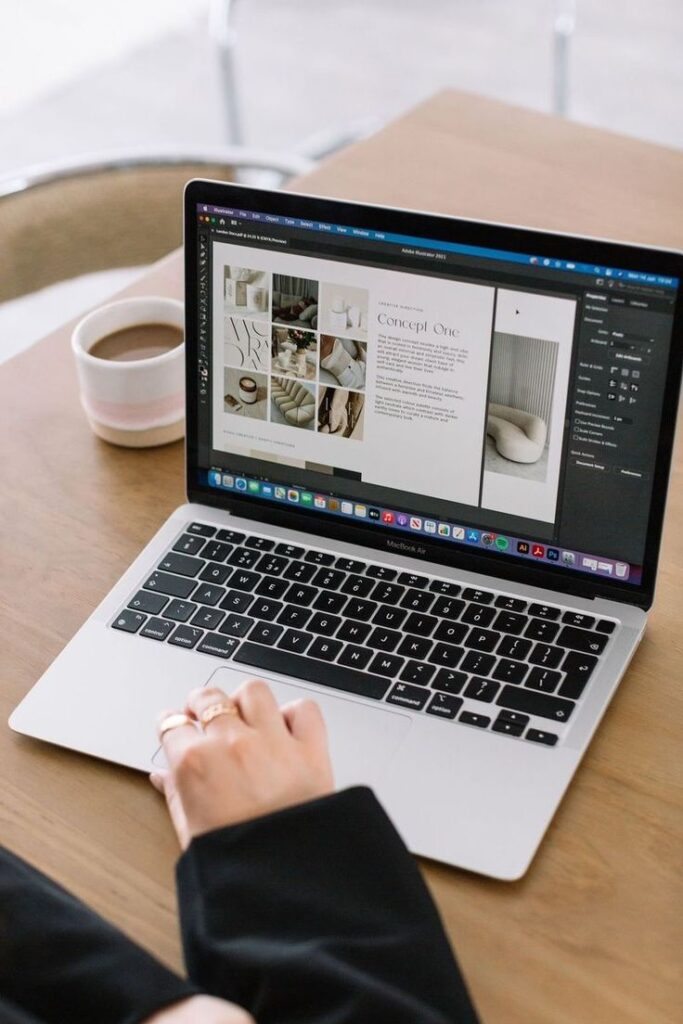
(305, 721)
(206, 697)
(175, 741)
(164, 783)
(258, 706)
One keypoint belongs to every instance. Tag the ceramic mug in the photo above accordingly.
(248, 390)
(137, 403)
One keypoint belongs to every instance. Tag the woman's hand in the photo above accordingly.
(201, 1010)
(241, 765)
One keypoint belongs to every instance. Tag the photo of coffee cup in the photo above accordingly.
(130, 361)
(248, 390)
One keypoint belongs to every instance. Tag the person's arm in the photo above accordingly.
(307, 907)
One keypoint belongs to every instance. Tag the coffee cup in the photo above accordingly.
(248, 390)
(132, 382)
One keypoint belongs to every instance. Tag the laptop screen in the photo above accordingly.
(442, 392)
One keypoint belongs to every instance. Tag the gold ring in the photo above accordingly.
(174, 721)
(214, 710)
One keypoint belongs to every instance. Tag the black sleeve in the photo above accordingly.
(60, 962)
(318, 915)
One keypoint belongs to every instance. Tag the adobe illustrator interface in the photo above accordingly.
(404, 381)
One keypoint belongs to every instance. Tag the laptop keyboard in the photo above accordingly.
(479, 657)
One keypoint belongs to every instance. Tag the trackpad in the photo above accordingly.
(363, 739)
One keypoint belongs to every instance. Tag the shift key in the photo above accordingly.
(532, 702)
(164, 583)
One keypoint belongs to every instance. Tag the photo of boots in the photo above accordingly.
(340, 412)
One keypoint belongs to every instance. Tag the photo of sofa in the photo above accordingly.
(518, 435)
(295, 301)
(292, 402)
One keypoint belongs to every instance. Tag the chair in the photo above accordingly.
(295, 402)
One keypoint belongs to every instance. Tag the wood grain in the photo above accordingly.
(593, 931)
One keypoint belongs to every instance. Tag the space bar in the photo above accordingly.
(336, 676)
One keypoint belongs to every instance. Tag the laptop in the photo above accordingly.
(427, 463)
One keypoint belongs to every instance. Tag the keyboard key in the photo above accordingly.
(546, 655)
(237, 625)
(411, 579)
(417, 672)
(605, 626)
(230, 536)
(325, 624)
(355, 657)
(510, 622)
(174, 586)
(537, 736)
(445, 705)
(264, 608)
(389, 615)
(291, 615)
(299, 593)
(357, 586)
(444, 587)
(531, 702)
(578, 668)
(271, 586)
(510, 671)
(129, 621)
(215, 551)
(482, 639)
(157, 629)
(237, 601)
(349, 565)
(295, 640)
(543, 679)
(415, 646)
(260, 543)
(579, 619)
(380, 572)
(265, 633)
(510, 604)
(479, 596)
(542, 629)
(208, 593)
(383, 639)
(421, 625)
(215, 573)
(208, 618)
(324, 648)
(180, 611)
(201, 529)
(289, 550)
(300, 572)
(387, 593)
(514, 647)
(451, 632)
(272, 565)
(244, 558)
(189, 545)
(582, 640)
(329, 601)
(478, 663)
(357, 608)
(448, 608)
(355, 632)
(319, 557)
(544, 611)
(219, 646)
(386, 665)
(481, 689)
(328, 579)
(513, 716)
(445, 654)
(449, 680)
(144, 601)
(244, 580)
(478, 615)
(186, 636)
(417, 600)
(472, 718)
(408, 696)
(508, 728)
(275, 659)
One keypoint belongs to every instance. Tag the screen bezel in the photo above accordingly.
(468, 232)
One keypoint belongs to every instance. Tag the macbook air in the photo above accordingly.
(427, 463)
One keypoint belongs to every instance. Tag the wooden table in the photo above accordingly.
(591, 934)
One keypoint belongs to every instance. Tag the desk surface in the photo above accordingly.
(592, 933)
